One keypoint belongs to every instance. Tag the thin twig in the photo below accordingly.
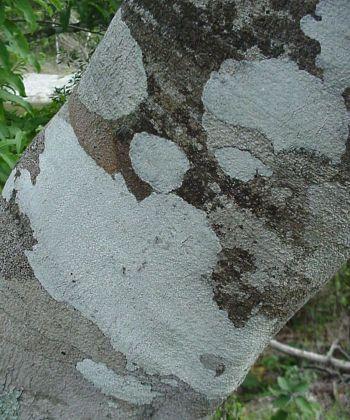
(331, 373)
(314, 357)
(332, 349)
(343, 352)
(72, 26)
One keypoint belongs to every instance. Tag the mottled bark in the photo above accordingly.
(192, 195)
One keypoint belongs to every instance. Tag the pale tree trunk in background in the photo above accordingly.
(189, 199)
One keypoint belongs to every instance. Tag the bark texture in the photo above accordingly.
(192, 195)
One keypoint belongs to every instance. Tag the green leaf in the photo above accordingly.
(251, 381)
(4, 174)
(7, 143)
(64, 17)
(17, 41)
(27, 10)
(45, 5)
(2, 112)
(283, 384)
(98, 8)
(4, 132)
(4, 56)
(2, 13)
(58, 4)
(300, 387)
(280, 415)
(10, 97)
(9, 159)
(34, 62)
(282, 401)
(20, 141)
(13, 80)
(304, 405)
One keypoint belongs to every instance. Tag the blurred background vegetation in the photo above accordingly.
(58, 37)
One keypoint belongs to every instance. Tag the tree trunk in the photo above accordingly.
(192, 196)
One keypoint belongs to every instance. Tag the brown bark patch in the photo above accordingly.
(108, 143)
(94, 135)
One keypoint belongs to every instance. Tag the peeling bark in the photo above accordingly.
(191, 197)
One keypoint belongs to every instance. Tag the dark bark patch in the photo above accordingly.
(344, 175)
(297, 8)
(238, 300)
(346, 96)
(195, 188)
(193, 42)
(273, 32)
(30, 158)
(13, 263)
(241, 300)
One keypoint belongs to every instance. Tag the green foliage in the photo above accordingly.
(233, 409)
(61, 95)
(291, 397)
(18, 120)
(94, 13)
(21, 20)
(324, 312)
(286, 398)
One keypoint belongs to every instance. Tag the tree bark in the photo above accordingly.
(192, 195)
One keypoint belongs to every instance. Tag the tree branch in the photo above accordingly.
(55, 28)
(314, 357)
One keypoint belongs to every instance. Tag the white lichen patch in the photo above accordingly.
(158, 161)
(127, 388)
(9, 186)
(327, 231)
(140, 271)
(333, 33)
(115, 82)
(240, 164)
(289, 106)
(221, 135)
(10, 405)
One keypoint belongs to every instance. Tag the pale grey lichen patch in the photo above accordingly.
(289, 106)
(333, 33)
(240, 164)
(64, 112)
(222, 135)
(9, 186)
(9, 405)
(172, 382)
(158, 161)
(127, 388)
(141, 270)
(115, 82)
(327, 231)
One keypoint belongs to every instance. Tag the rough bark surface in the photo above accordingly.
(192, 195)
